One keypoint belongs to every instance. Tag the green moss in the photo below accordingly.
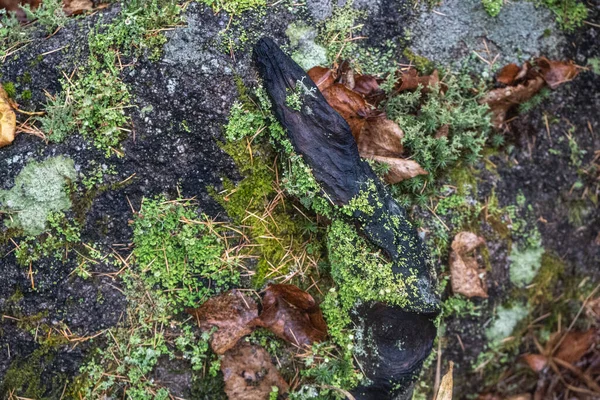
(233, 6)
(10, 89)
(24, 376)
(180, 252)
(334, 31)
(569, 14)
(422, 64)
(39, 189)
(492, 7)
(551, 270)
(59, 118)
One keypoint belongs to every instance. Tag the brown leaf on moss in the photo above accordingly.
(410, 80)
(292, 314)
(555, 73)
(536, 362)
(349, 104)
(249, 373)
(502, 100)
(381, 137)
(76, 7)
(8, 119)
(465, 275)
(321, 76)
(508, 74)
(231, 313)
(401, 169)
(575, 345)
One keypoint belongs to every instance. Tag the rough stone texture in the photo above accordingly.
(450, 33)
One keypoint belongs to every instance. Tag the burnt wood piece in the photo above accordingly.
(325, 141)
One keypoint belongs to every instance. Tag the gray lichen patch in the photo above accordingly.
(505, 322)
(39, 190)
(450, 33)
(525, 264)
(307, 53)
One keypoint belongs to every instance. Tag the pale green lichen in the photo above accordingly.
(505, 322)
(307, 54)
(39, 190)
(525, 264)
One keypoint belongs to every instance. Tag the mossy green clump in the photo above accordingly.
(233, 6)
(10, 89)
(569, 14)
(551, 270)
(422, 115)
(180, 252)
(24, 376)
(39, 190)
(493, 7)
(58, 121)
(505, 321)
(525, 263)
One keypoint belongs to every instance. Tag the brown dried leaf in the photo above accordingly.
(410, 80)
(76, 7)
(592, 309)
(464, 270)
(231, 313)
(536, 362)
(502, 100)
(8, 119)
(350, 105)
(508, 74)
(575, 345)
(367, 86)
(380, 136)
(556, 73)
(292, 314)
(446, 385)
(400, 168)
(321, 76)
(249, 373)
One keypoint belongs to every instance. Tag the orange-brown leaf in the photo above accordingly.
(76, 7)
(556, 73)
(410, 80)
(321, 76)
(502, 100)
(350, 105)
(536, 362)
(231, 313)
(508, 74)
(380, 137)
(400, 168)
(575, 345)
(249, 373)
(8, 119)
(466, 277)
(292, 314)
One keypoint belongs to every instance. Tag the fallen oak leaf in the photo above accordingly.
(410, 80)
(231, 313)
(249, 373)
(537, 362)
(556, 73)
(292, 314)
(501, 100)
(380, 136)
(446, 385)
(575, 345)
(322, 77)
(464, 270)
(76, 7)
(8, 119)
(349, 104)
(508, 74)
(400, 168)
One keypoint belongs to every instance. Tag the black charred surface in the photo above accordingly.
(325, 141)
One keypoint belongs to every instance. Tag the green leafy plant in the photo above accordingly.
(492, 7)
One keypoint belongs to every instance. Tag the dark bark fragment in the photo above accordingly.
(325, 141)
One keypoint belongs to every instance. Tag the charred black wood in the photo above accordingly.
(325, 141)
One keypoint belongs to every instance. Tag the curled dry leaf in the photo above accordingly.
(231, 313)
(465, 275)
(446, 385)
(410, 80)
(556, 73)
(501, 100)
(575, 345)
(537, 362)
(400, 168)
(76, 7)
(8, 120)
(522, 83)
(249, 373)
(292, 314)
(378, 138)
